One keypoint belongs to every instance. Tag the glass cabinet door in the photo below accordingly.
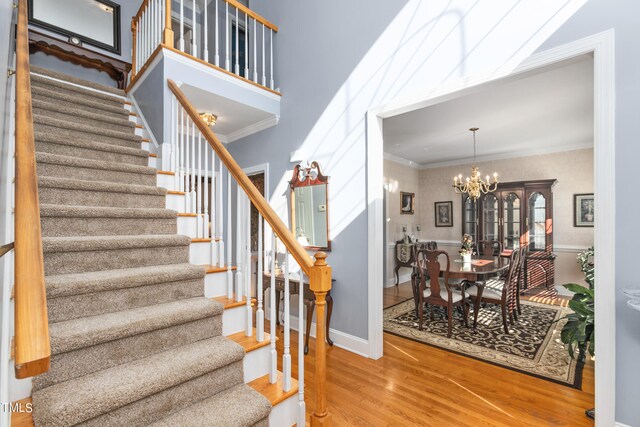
(536, 221)
(470, 218)
(490, 214)
(511, 221)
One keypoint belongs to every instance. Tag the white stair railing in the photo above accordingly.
(238, 30)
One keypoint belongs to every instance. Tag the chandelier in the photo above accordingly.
(475, 185)
(209, 119)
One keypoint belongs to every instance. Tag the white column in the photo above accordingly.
(273, 372)
(237, 46)
(217, 40)
(259, 290)
(264, 60)
(239, 236)
(255, 52)
(229, 238)
(205, 51)
(227, 62)
(199, 217)
(286, 357)
(194, 42)
(181, 41)
(271, 61)
(301, 404)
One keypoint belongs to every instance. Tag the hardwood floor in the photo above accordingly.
(396, 294)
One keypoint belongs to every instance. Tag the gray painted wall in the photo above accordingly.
(594, 17)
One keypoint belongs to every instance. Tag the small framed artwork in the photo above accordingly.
(583, 210)
(407, 203)
(444, 214)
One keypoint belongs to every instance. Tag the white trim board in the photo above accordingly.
(601, 45)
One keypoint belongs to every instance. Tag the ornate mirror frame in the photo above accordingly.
(307, 177)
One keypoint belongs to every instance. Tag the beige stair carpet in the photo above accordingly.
(133, 340)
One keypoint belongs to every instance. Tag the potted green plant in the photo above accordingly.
(578, 333)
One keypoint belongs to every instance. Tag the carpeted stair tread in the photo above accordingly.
(88, 331)
(65, 87)
(75, 80)
(239, 406)
(99, 243)
(65, 127)
(49, 95)
(48, 210)
(62, 285)
(104, 149)
(92, 395)
(105, 187)
(58, 159)
(76, 113)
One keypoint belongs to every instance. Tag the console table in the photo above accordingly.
(309, 301)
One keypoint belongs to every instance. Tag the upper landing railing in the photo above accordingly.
(221, 33)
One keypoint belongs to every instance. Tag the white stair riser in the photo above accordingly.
(284, 413)
(153, 161)
(215, 284)
(200, 253)
(147, 146)
(175, 202)
(188, 226)
(256, 363)
(233, 320)
(166, 181)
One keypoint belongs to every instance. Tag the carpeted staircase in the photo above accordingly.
(133, 340)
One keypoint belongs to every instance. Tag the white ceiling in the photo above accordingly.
(544, 111)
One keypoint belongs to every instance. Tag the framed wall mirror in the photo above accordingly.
(309, 204)
(94, 22)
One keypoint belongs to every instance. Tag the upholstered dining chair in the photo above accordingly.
(499, 290)
(439, 290)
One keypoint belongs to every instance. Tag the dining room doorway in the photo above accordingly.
(580, 206)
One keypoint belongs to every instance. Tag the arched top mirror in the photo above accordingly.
(309, 202)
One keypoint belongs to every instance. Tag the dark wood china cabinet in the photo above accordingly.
(517, 214)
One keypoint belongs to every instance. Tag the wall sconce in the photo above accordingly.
(209, 118)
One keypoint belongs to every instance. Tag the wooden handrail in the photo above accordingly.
(32, 346)
(143, 6)
(251, 13)
(283, 232)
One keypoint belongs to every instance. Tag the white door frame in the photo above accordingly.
(602, 47)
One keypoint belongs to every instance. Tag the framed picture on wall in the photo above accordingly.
(407, 203)
(444, 214)
(583, 210)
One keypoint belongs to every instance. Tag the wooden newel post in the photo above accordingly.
(320, 284)
(134, 52)
(167, 34)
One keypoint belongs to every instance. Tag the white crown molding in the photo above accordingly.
(249, 130)
(402, 161)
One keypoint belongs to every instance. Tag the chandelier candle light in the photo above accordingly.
(475, 185)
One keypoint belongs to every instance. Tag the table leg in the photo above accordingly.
(311, 306)
(476, 305)
(329, 310)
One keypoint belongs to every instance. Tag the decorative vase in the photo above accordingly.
(466, 258)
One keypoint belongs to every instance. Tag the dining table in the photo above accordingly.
(480, 267)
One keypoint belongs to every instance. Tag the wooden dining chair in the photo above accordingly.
(439, 290)
(488, 248)
(499, 290)
(519, 280)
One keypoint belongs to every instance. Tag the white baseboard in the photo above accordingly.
(621, 425)
(404, 277)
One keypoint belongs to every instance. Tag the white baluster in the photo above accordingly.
(181, 41)
(246, 46)
(199, 217)
(219, 214)
(187, 158)
(286, 357)
(237, 47)
(194, 41)
(229, 237)
(264, 60)
(271, 61)
(216, 38)
(273, 372)
(259, 289)
(227, 50)
(138, 39)
(255, 52)
(193, 167)
(183, 147)
(152, 23)
(143, 27)
(301, 404)
(239, 236)
(162, 15)
(248, 275)
(205, 204)
(174, 139)
(205, 51)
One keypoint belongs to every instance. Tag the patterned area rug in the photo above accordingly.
(532, 347)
